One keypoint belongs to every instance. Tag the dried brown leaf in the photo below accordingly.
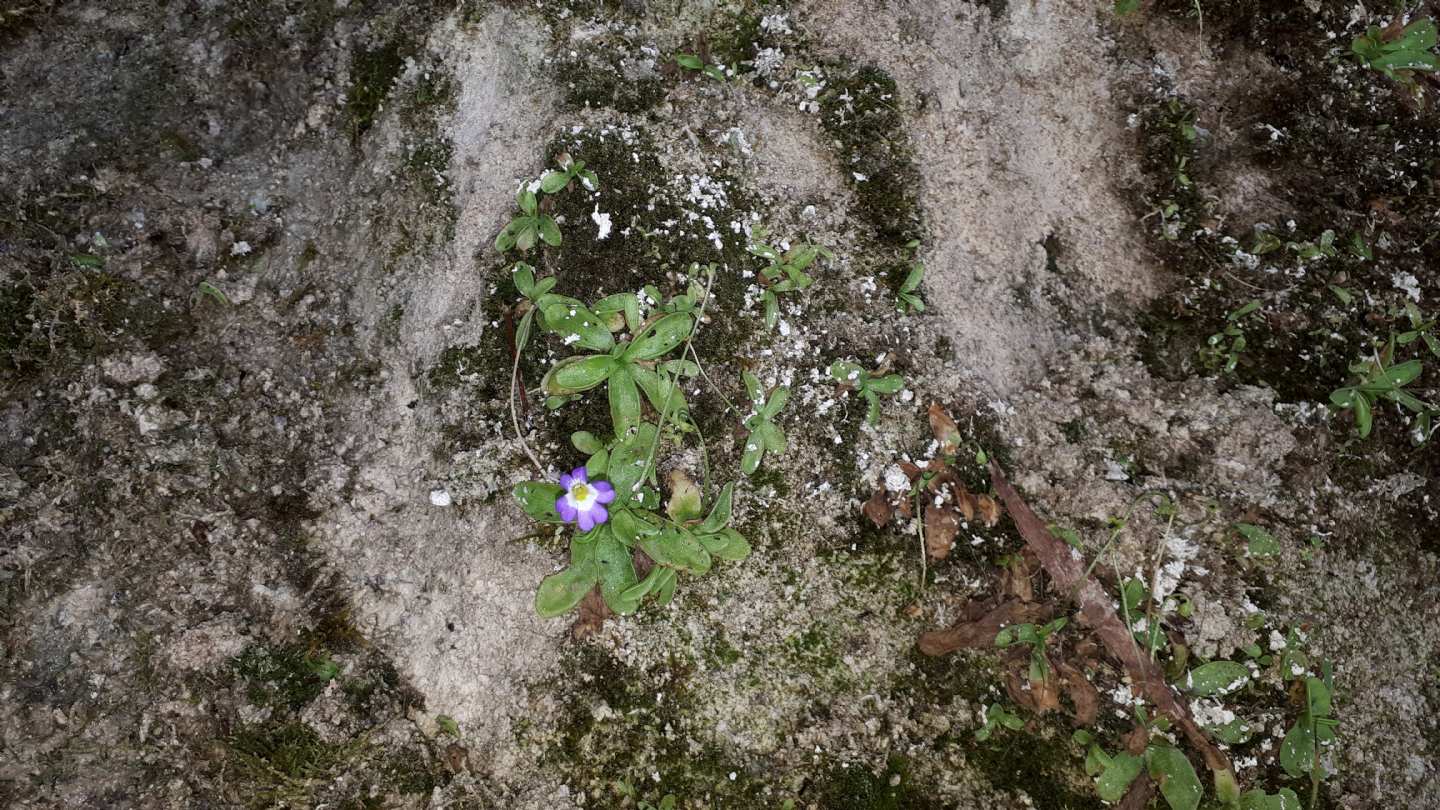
(988, 508)
(1135, 741)
(1138, 797)
(1015, 579)
(941, 526)
(878, 508)
(1098, 612)
(943, 475)
(946, 432)
(593, 613)
(455, 757)
(1083, 694)
(965, 502)
(911, 471)
(1038, 696)
(979, 623)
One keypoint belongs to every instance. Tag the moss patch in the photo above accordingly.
(856, 787)
(860, 111)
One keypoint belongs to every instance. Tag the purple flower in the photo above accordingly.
(584, 502)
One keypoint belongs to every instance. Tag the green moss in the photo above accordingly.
(371, 76)
(283, 677)
(16, 320)
(860, 111)
(642, 730)
(309, 254)
(292, 749)
(77, 315)
(181, 145)
(1044, 767)
(855, 787)
(720, 652)
(459, 364)
(597, 80)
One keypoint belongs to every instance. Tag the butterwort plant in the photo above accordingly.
(624, 546)
(583, 502)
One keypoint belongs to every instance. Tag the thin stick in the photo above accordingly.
(711, 382)
(522, 336)
(1151, 636)
(920, 523)
(665, 411)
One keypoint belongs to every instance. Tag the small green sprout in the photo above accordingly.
(1382, 378)
(1260, 543)
(909, 295)
(524, 230)
(870, 385)
(570, 169)
(763, 434)
(211, 291)
(997, 716)
(1036, 636)
(1420, 329)
(1324, 246)
(1398, 53)
(1236, 336)
(1266, 242)
(1360, 248)
(1312, 731)
(785, 271)
(690, 61)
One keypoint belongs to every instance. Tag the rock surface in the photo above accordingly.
(258, 434)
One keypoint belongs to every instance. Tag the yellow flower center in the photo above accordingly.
(579, 492)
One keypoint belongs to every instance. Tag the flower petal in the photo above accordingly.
(565, 482)
(578, 476)
(598, 514)
(567, 512)
(604, 493)
(587, 520)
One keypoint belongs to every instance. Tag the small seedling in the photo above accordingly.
(996, 717)
(1162, 761)
(1036, 636)
(1324, 246)
(690, 61)
(211, 291)
(1398, 52)
(764, 435)
(909, 288)
(785, 271)
(531, 225)
(1312, 731)
(570, 169)
(1236, 336)
(1420, 329)
(1382, 378)
(870, 385)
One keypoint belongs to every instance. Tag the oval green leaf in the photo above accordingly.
(1216, 678)
(575, 374)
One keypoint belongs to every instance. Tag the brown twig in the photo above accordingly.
(980, 623)
(514, 356)
(1096, 610)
